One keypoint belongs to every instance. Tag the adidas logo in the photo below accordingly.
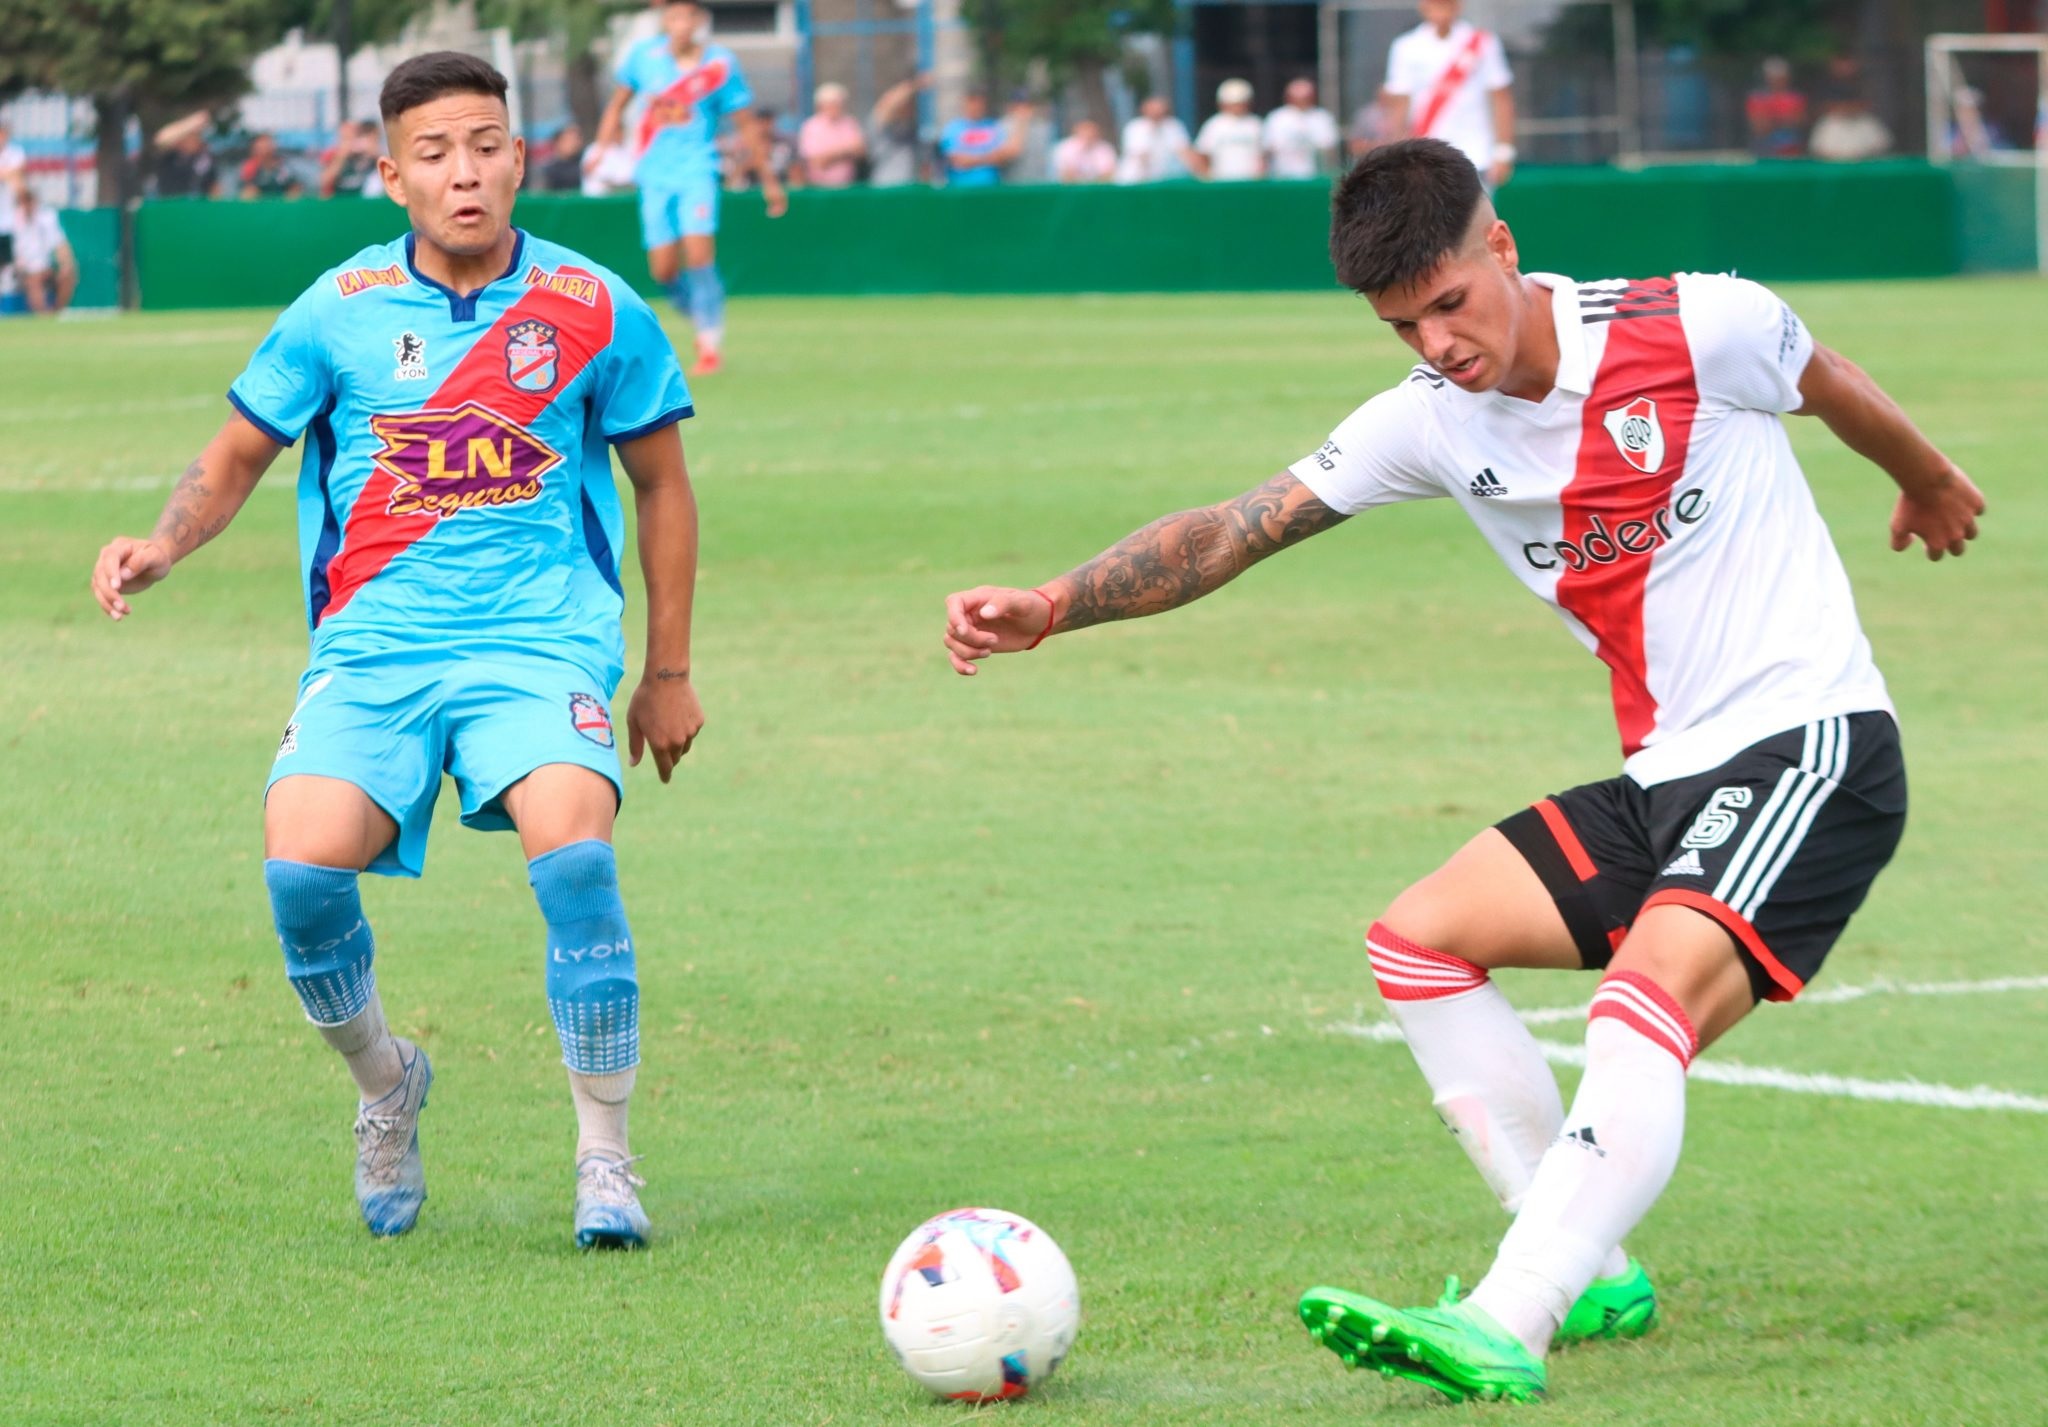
(1583, 1138)
(1486, 483)
(1686, 866)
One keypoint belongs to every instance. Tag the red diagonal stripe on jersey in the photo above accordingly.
(1646, 357)
(372, 537)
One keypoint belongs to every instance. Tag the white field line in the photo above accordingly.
(1844, 1087)
(1835, 995)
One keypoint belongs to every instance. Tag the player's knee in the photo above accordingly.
(593, 988)
(1416, 951)
(326, 940)
(1424, 915)
(1406, 969)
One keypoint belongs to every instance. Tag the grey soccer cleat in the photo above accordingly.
(391, 1184)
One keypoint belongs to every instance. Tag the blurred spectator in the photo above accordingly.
(1370, 127)
(264, 174)
(893, 122)
(1028, 126)
(607, 169)
(1848, 128)
(185, 165)
(1301, 137)
(562, 170)
(43, 264)
(1232, 143)
(350, 167)
(13, 162)
(1156, 145)
(1777, 114)
(1084, 156)
(974, 147)
(830, 142)
(1447, 79)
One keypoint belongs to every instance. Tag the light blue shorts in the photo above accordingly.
(394, 727)
(670, 214)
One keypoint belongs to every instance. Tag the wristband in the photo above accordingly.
(1503, 153)
(1052, 614)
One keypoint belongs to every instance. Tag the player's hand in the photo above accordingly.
(663, 717)
(127, 567)
(776, 197)
(1499, 172)
(991, 619)
(1943, 516)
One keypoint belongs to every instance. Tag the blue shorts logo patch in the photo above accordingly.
(589, 717)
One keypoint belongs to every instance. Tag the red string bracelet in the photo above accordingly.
(1052, 614)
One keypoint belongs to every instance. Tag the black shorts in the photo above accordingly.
(1779, 845)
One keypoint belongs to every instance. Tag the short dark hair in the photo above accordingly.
(1401, 210)
(425, 78)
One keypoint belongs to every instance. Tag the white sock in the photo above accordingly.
(1613, 1158)
(1490, 1084)
(601, 1102)
(365, 1043)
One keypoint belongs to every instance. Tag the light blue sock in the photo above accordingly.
(327, 944)
(678, 292)
(593, 993)
(707, 299)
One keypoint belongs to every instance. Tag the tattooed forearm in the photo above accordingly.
(193, 515)
(1179, 558)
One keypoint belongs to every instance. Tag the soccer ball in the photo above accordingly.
(979, 1305)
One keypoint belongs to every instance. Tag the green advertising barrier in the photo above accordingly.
(1770, 221)
(1996, 219)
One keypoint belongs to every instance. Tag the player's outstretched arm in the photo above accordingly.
(611, 127)
(1937, 502)
(204, 501)
(761, 144)
(663, 716)
(1171, 562)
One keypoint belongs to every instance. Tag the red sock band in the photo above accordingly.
(1647, 1009)
(1406, 971)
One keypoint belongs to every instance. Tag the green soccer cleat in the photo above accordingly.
(1624, 1306)
(1454, 1348)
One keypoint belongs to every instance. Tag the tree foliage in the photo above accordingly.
(154, 56)
(1072, 38)
(579, 23)
(1749, 29)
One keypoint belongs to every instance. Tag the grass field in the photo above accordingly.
(1077, 938)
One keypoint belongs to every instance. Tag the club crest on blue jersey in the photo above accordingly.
(589, 717)
(530, 355)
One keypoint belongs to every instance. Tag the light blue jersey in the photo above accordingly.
(456, 488)
(676, 138)
(459, 525)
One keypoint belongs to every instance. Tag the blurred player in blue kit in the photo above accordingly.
(460, 391)
(685, 87)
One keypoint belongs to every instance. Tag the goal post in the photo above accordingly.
(1987, 122)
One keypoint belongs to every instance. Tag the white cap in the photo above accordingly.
(1234, 91)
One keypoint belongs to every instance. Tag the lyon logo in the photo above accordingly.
(591, 718)
(1636, 432)
(530, 354)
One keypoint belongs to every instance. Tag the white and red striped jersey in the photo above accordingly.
(1653, 500)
